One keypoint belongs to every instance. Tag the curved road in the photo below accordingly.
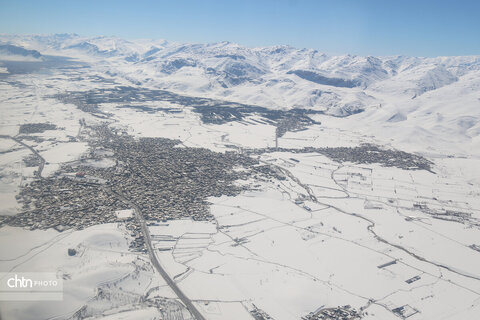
(38, 173)
(146, 234)
(371, 227)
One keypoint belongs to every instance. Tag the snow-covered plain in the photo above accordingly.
(266, 247)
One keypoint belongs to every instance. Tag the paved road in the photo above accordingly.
(151, 252)
(138, 213)
(38, 173)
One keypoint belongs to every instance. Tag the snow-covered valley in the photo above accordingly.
(265, 183)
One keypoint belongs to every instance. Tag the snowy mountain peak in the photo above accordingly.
(392, 89)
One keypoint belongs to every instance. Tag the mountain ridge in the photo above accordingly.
(404, 94)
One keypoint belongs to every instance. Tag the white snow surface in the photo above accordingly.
(265, 247)
(406, 98)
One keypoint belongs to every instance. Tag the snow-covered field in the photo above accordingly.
(329, 234)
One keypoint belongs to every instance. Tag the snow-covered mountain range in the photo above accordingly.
(433, 99)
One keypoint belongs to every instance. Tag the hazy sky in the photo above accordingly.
(376, 27)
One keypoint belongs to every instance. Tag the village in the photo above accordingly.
(339, 313)
(364, 154)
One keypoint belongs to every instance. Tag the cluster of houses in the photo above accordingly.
(27, 128)
(65, 201)
(259, 314)
(161, 178)
(365, 153)
(170, 182)
(338, 313)
(447, 214)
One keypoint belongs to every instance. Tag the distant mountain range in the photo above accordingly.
(440, 95)
(11, 52)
